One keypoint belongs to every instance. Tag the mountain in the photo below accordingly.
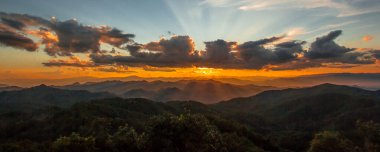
(40, 96)
(4, 87)
(269, 98)
(303, 111)
(156, 121)
(273, 120)
(369, 81)
(205, 91)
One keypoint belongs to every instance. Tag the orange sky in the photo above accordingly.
(70, 72)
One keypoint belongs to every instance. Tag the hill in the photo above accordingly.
(267, 99)
(300, 112)
(205, 91)
(369, 81)
(33, 98)
(9, 88)
(156, 122)
(274, 120)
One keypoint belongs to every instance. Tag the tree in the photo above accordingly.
(329, 141)
(126, 139)
(236, 143)
(74, 143)
(370, 131)
(183, 133)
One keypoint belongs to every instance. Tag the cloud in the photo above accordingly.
(219, 51)
(71, 62)
(178, 51)
(13, 39)
(367, 38)
(114, 36)
(269, 53)
(343, 8)
(13, 23)
(376, 54)
(67, 38)
(294, 65)
(222, 3)
(255, 55)
(154, 69)
(77, 62)
(115, 69)
(63, 38)
(325, 47)
(325, 52)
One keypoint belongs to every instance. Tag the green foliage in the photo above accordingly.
(74, 143)
(329, 141)
(166, 133)
(21, 146)
(237, 143)
(292, 140)
(370, 131)
(126, 139)
(184, 133)
(252, 124)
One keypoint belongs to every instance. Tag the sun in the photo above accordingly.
(205, 71)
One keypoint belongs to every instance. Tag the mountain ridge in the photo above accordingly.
(29, 99)
(206, 91)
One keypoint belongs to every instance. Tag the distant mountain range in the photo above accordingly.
(205, 91)
(30, 99)
(369, 81)
(363, 80)
(321, 106)
(4, 87)
(288, 117)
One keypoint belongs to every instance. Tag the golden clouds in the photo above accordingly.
(367, 38)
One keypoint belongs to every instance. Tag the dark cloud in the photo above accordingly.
(63, 38)
(72, 62)
(287, 51)
(347, 60)
(175, 48)
(25, 19)
(270, 54)
(376, 54)
(154, 69)
(219, 51)
(13, 23)
(178, 51)
(115, 36)
(115, 69)
(295, 65)
(356, 57)
(325, 47)
(256, 55)
(16, 40)
(73, 38)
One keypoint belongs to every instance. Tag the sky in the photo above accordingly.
(187, 38)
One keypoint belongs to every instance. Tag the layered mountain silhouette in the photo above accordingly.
(273, 120)
(316, 107)
(369, 81)
(33, 98)
(205, 91)
(4, 87)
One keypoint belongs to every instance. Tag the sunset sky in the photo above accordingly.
(187, 38)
